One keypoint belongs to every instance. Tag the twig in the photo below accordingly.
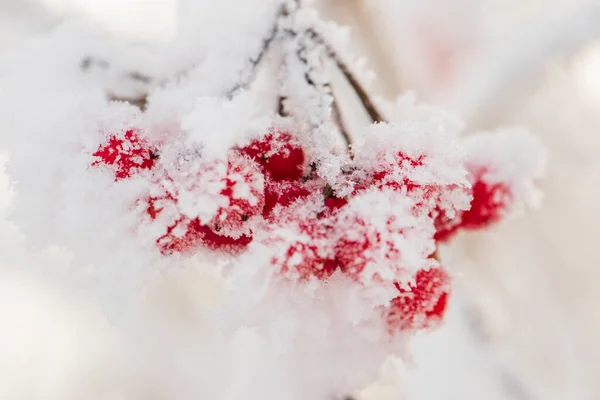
(365, 99)
(339, 120)
(88, 62)
(256, 60)
(281, 107)
(139, 102)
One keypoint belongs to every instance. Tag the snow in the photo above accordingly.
(88, 200)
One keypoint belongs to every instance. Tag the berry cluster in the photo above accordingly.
(377, 225)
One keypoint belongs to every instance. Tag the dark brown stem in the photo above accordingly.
(255, 61)
(139, 102)
(339, 120)
(281, 107)
(365, 99)
(93, 62)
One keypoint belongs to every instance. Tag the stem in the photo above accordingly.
(255, 61)
(89, 62)
(365, 99)
(325, 89)
(139, 102)
(337, 116)
(281, 107)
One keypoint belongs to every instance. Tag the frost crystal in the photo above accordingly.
(329, 256)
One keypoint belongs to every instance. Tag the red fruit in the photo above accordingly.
(334, 203)
(307, 249)
(126, 154)
(351, 249)
(490, 202)
(280, 155)
(306, 260)
(195, 236)
(445, 228)
(361, 244)
(283, 193)
(423, 304)
(245, 193)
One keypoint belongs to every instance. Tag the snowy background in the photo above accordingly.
(524, 322)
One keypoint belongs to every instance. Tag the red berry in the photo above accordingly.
(245, 193)
(334, 203)
(445, 227)
(423, 303)
(361, 244)
(351, 250)
(279, 153)
(306, 260)
(126, 154)
(283, 193)
(188, 236)
(307, 245)
(489, 203)
(241, 193)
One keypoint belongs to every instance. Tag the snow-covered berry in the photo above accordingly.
(235, 192)
(279, 153)
(421, 303)
(126, 154)
(244, 194)
(283, 193)
(188, 236)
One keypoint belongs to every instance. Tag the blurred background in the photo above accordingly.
(525, 323)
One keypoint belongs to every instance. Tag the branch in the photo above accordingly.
(281, 106)
(139, 102)
(338, 118)
(255, 61)
(365, 99)
(323, 89)
(90, 62)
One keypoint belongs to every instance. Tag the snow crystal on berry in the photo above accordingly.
(279, 153)
(379, 238)
(502, 168)
(424, 164)
(305, 242)
(236, 197)
(244, 191)
(422, 302)
(126, 154)
(283, 193)
(513, 157)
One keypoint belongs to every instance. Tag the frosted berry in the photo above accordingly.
(306, 260)
(423, 303)
(245, 195)
(307, 245)
(283, 193)
(279, 153)
(240, 191)
(188, 236)
(490, 203)
(126, 154)
(334, 203)
(361, 244)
